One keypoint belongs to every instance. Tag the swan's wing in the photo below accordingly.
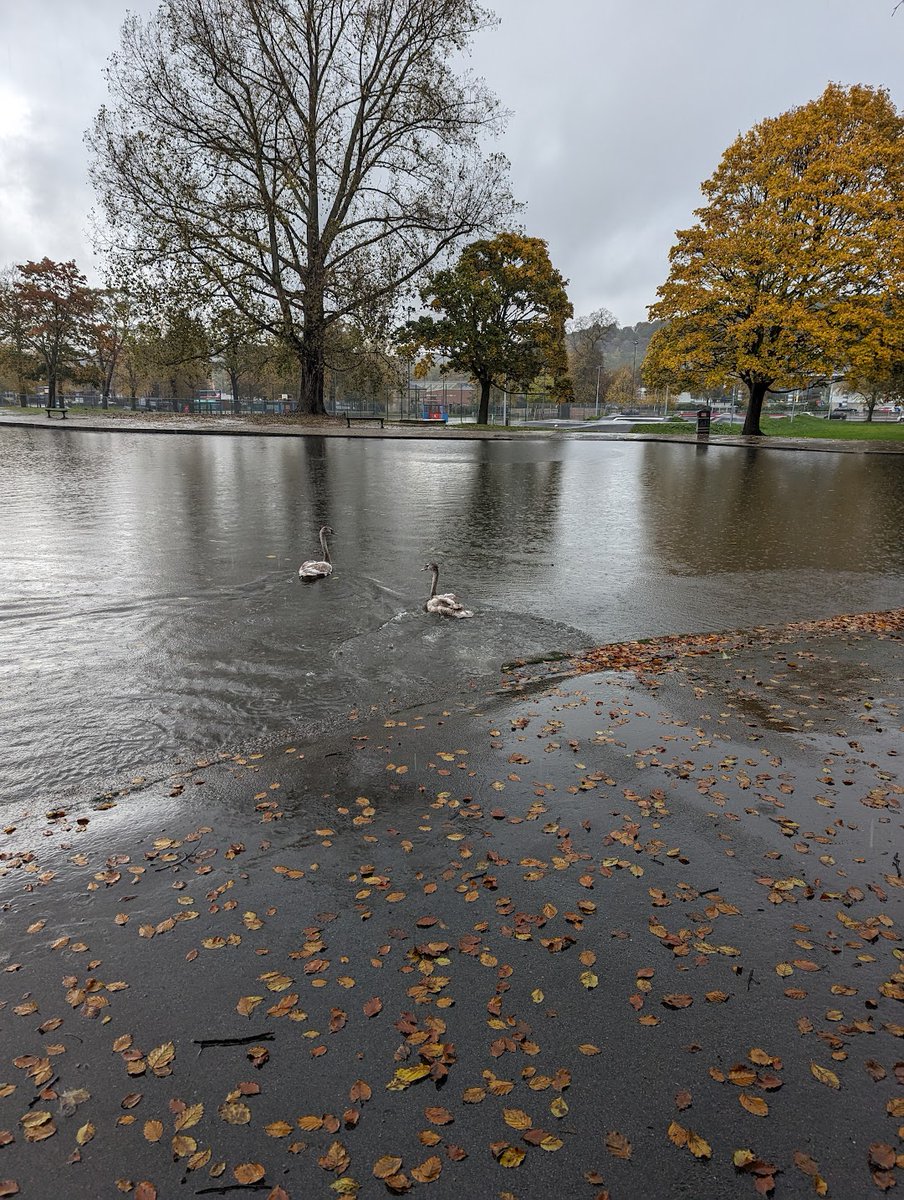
(313, 569)
(447, 598)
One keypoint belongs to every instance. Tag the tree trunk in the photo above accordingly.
(51, 391)
(483, 411)
(311, 360)
(757, 391)
(234, 384)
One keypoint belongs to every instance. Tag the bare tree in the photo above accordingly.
(587, 353)
(301, 160)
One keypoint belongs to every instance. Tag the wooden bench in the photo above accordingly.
(349, 417)
(60, 411)
(422, 421)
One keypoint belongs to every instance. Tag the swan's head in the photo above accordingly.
(325, 529)
(430, 567)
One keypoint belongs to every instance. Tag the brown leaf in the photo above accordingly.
(360, 1092)
(683, 1100)
(516, 1118)
(429, 1170)
(249, 1172)
(235, 1113)
(881, 1156)
(618, 1145)
(144, 1191)
(386, 1166)
(438, 1116)
(675, 1000)
(372, 1007)
(337, 1158)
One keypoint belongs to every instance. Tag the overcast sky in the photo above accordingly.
(620, 108)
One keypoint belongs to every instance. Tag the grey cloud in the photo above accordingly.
(620, 110)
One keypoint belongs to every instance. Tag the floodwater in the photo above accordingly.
(151, 609)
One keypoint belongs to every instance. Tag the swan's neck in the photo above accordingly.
(433, 586)
(326, 550)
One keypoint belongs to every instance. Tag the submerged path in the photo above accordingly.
(89, 421)
(628, 933)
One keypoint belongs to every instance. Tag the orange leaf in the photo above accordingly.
(249, 1172)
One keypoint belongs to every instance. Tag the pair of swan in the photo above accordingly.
(444, 605)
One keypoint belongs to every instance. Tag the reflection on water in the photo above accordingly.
(151, 605)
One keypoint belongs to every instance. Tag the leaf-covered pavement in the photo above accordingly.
(618, 938)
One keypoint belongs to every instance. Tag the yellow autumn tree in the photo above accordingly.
(796, 257)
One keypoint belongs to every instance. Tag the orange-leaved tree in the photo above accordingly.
(499, 313)
(797, 255)
(57, 306)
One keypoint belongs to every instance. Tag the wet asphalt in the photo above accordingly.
(599, 935)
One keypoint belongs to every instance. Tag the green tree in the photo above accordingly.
(501, 313)
(175, 353)
(300, 161)
(795, 257)
(16, 359)
(105, 337)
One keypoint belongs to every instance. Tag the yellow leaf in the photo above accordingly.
(677, 1134)
(85, 1133)
(278, 1129)
(405, 1076)
(153, 1130)
(189, 1116)
(512, 1156)
(829, 1078)
(698, 1146)
(516, 1118)
(754, 1104)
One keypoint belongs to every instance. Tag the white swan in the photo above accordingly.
(445, 605)
(314, 569)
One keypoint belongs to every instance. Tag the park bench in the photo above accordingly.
(349, 417)
(59, 411)
(422, 421)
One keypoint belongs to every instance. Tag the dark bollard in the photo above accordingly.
(703, 419)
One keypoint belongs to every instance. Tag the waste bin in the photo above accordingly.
(703, 419)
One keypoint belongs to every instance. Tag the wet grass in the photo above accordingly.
(799, 427)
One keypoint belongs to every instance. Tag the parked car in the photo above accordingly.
(838, 415)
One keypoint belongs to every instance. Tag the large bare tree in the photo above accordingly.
(301, 160)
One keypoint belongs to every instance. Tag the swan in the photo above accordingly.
(314, 569)
(445, 605)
